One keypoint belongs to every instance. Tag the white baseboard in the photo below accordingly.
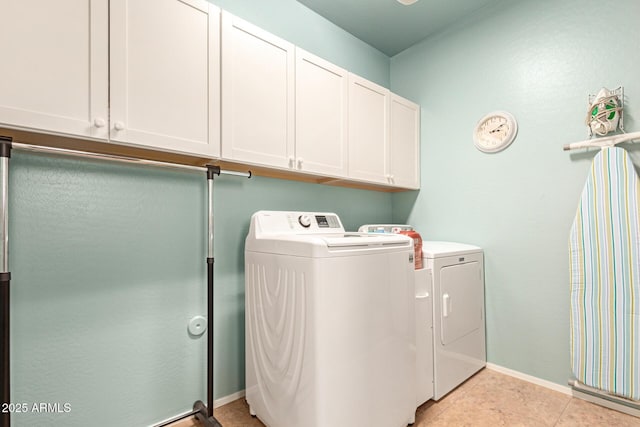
(530, 378)
(188, 422)
(228, 399)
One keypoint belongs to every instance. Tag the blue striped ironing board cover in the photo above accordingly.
(605, 277)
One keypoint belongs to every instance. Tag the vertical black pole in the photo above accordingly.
(5, 279)
(210, 336)
(205, 416)
(211, 173)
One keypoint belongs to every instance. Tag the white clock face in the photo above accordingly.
(495, 131)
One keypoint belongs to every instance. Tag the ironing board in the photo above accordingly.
(604, 246)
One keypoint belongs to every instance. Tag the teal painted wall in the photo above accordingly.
(107, 269)
(108, 264)
(539, 60)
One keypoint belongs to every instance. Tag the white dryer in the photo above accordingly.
(458, 316)
(329, 323)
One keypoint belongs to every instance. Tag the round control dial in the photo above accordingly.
(305, 221)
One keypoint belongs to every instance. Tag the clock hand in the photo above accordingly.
(497, 129)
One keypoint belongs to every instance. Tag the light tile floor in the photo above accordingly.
(486, 399)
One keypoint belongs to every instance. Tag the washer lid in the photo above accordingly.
(327, 245)
(362, 240)
(442, 249)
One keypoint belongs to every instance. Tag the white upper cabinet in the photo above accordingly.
(165, 75)
(54, 75)
(368, 130)
(321, 116)
(258, 86)
(404, 143)
(181, 76)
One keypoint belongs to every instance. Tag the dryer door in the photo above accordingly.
(461, 301)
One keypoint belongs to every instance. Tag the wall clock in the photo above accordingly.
(495, 131)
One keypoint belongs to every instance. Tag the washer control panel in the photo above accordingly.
(283, 222)
(311, 221)
(327, 221)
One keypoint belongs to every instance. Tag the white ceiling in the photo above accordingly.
(390, 26)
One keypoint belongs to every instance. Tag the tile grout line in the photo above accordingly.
(563, 411)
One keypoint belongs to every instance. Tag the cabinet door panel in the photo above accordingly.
(321, 115)
(368, 130)
(404, 143)
(165, 74)
(54, 76)
(257, 95)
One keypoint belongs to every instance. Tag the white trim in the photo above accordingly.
(228, 399)
(216, 404)
(530, 378)
(176, 424)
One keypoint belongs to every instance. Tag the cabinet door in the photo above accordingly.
(54, 72)
(404, 143)
(321, 116)
(165, 75)
(368, 130)
(257, 95)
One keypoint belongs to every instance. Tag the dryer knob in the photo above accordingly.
(305, 221)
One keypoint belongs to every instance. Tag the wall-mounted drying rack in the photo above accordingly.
(606, 141)
(203, 412)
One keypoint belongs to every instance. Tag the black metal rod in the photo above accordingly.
(205, 415)
(5, 354)
(210, 336)
(205, 412)
(5, 280)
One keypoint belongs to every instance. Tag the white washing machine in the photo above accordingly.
(329, 323)
(458, 312)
